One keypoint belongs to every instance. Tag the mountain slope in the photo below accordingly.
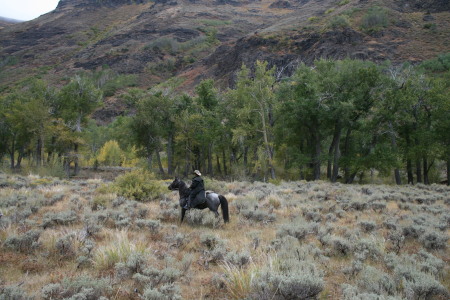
(195, 39)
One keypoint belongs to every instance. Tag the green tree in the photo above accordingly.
(76, 101)
(110, 154)
(253, 102)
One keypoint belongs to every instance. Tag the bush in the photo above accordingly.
(82, 287)
(60, 218)
(24, 243)
(299, 282)
(375, 19)
(139, 185)
(434, 240)
(340, 21)
(13, 293)
(153, 225)
(375, 281)
(367, 226)
(165, 292)
(153, 277)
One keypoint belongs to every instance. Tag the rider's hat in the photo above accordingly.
(197, 172)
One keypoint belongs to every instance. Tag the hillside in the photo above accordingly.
(4, 22)
(196, 39)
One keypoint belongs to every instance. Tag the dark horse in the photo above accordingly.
(212, 202)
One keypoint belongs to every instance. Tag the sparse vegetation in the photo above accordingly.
(279, 244)
(375, 19)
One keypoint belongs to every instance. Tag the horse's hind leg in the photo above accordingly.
(216, 213)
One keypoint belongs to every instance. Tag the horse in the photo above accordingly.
(213, 200)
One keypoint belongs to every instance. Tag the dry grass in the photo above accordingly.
(216, 273)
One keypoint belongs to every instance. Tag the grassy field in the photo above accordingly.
(295, 240)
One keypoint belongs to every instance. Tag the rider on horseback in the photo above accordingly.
(197, 186)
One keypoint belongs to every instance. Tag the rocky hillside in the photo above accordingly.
(188, 40)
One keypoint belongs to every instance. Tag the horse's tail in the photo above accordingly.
(224, 206)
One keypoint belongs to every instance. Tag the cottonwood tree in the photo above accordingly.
(77, 100)
(253, 102)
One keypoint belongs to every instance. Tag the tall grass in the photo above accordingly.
(119, 250)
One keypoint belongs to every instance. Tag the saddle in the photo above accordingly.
(200, 198)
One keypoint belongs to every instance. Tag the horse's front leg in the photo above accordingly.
(183, 212)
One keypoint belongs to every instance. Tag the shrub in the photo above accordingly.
(153, 225)
(300, 282)
(258, 215)
(369, 248)
(153, 277)
(340, 21)
(165, 292)
(13, 293)
(26, 242)
(139, 185)
(85, 287)
(239, 259)
(210, 240)
(367, 226)
(341, 246)
(110, 154)
(375, 19)
(60, 218)
(375, 281)
(299, 231)
(65, 246)
(418, 285)
(434, 240)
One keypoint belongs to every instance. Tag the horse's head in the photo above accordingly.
(175, 185)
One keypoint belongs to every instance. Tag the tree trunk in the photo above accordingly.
(158, 159)
(210, 159)
(337, 155)
(187, 158)
(398, 179)
(150, 160)
(346, 152)
(19, 158)
(419, 171)
(76, 163)
(330, 153)
(409, 170)
(425, 171)
(448, 170)
(170, 143)
(224, 159)
(11, 153)
(39, 152)
(247, 171)
(219, 169)
(317, 153)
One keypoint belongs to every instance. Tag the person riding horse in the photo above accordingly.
(197, 187)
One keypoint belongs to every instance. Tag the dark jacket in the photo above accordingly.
(197, 186)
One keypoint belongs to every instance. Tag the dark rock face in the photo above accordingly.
(96, 3)
(281, 4)
(424, 5)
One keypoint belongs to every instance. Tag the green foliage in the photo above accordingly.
(439, 64)
(139, 185)
(26, 242)
(340, 21)
(110, 154)
(375, 19)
